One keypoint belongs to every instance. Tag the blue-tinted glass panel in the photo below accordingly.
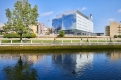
(57, 23)
(69, 21)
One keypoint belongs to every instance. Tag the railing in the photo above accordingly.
(59, 41)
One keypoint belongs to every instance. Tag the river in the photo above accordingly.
(104, 65)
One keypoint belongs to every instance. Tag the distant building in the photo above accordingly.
(107, 31)
(40, 29)
(47, 30)
(1, 29)
(97, 34)
(73, 22)
(113, 29)
(34, 28)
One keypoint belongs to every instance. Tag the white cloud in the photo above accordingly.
(84, 8)
(119, 11)
(111, 19)
(46, 13)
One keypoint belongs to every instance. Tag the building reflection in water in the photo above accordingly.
(77, 62)
(114, 55)
(33, 58)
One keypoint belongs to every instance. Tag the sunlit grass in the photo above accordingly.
(6, 41)
(57, 41)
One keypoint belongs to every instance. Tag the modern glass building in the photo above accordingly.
(73, 22)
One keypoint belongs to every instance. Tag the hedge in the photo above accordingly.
(15, 35)
(117, 36)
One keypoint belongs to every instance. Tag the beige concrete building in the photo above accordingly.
(34, 28)
(113, 29)
(107, 31)
(40, 29)
(115, 56)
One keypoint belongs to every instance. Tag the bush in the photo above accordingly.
(115, 36)
(61, 34)
(119, 36)
(15, 35)
(11, 35)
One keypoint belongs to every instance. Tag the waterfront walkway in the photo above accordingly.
(59, 41)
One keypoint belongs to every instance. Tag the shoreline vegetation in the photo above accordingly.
(61, 48)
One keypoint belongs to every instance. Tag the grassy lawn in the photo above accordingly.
(66, 41)
(47, 41)
(101, 40)
(58, 41)
(42, 41)
(36, 41)
(15, 41)
(6, 41)
(75, 41)
(93, 40)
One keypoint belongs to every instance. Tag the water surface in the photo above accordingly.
(61, 66)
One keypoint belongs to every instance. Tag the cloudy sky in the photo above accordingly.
(103, 11)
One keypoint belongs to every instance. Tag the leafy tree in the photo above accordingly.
(61, 33)
(21, 17)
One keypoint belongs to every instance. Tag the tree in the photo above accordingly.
(21, 17)
(61, 33)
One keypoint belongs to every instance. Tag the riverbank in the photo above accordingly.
(54, 48)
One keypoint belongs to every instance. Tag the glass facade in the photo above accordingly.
(69, 21)
(57, 23)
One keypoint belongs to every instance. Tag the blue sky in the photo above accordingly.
(103, 11)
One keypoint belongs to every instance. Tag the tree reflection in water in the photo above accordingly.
(21, 71)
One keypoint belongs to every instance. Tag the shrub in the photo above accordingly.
(115, 36)
(61, 34)
(15, 35)
(119, 36)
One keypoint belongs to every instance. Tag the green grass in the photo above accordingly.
(57, 41)
(15, 41)
(6, 41)
(47, 41)
(36, 41)
(93, 40)
(75, 41)
(66, 41)
(27, 41)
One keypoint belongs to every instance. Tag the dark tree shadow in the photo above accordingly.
(21, 71)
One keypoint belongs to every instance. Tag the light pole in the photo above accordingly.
(47, 22)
